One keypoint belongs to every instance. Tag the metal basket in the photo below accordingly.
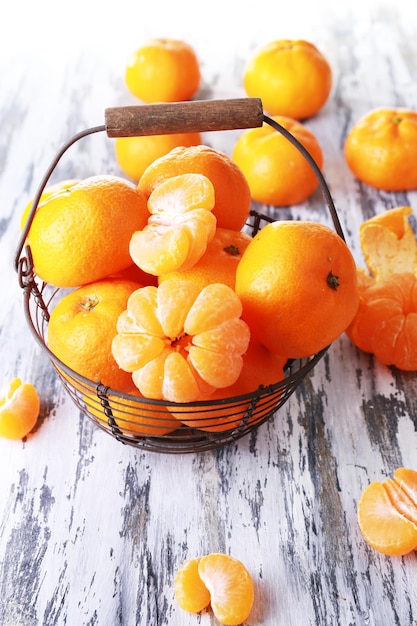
(141, 422)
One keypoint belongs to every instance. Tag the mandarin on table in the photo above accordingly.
(219, 580)
(81, 328)
(180, 225)
(19, 409)
(387, 513)
(381, 149)
(180, 341)
(297, 282)
(135, 154)
(163, 70)
(219, 262)
(82, 234)
(276, 171)
(292, 78)
(231, 190)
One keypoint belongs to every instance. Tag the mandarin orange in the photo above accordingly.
(163, 70)
(381, 149)
(292, 78)
(297, 282)
(82, 234)
(82, 326)
(276, 171)
(231, 190)
(135, 154)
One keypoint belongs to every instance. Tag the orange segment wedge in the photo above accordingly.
(190, 592)
(180, 226)
(180, 342)
(389, 244)
(19, 409)
(230, 585)
(387, 514)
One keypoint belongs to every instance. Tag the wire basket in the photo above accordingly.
(141, 422)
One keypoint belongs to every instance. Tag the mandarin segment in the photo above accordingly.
(19, 409)
(180, 370)
(180, 226)
(387, 515)
(230, 585)
(190, 592)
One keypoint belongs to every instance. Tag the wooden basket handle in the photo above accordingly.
(183, 117)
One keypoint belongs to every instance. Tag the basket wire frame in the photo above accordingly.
(145, 423)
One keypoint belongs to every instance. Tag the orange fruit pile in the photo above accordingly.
(276, 171)
(163, 70)
(292, 78)
(19, 409)
(298, 287)
(381, 149)
(386, 321)
(220, 581)
(387, 513)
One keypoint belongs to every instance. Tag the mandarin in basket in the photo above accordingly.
(298, 286)
(180, 225)
(135, 154)
(219, 262)
(387, 513)
(381, 149)
(292, 78)
(228, 584)
(49, 191)
(261, 368)
(19, 409)
(276, 171)
(82, 234)
(81, 328)
(180, 341)
(163, 70)
(231, 190)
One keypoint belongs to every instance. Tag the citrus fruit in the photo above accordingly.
(49, 191)
(82, 234)
(276, 171)
(19, 409)
(387, 513)
(388, 243)
(292, 78)
(163, 70)
(190, 592)
(232, 193)
(381, 149)
(135, 154)
(386, 322)
(81, 328)
(261, 368)
(298, 286)
(134, 417)
(179, 342)
(180, 225)
(219, 262)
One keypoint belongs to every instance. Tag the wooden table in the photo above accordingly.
(91, 531)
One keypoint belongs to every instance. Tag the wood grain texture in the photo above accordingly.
(91, 531)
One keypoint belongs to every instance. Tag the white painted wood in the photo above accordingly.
(91, 531)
